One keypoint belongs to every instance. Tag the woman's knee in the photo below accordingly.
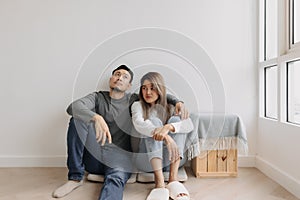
(174, 119)
(156, 121)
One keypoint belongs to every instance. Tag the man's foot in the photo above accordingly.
(66, 188)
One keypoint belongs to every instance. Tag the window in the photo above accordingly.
(271, 92)
(270, 29)
(279, 60)
(293, 90)
(295, 21)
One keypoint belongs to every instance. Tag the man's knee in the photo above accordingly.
(81, 127)
(79, 124)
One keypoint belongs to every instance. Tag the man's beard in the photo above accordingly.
(116, 89)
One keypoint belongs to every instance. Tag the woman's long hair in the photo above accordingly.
(161, 105)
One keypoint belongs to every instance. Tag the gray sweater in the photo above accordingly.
(116, 113)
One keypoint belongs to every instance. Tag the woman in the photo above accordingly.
(154, 119)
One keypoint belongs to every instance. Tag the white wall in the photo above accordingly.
(44, 43)
(277, 153)
(277, 141)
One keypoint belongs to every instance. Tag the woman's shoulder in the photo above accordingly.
(136, 105)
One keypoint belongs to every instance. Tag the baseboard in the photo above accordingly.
(279, 176)
(33, 161)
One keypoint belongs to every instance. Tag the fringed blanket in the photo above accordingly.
(216, 132)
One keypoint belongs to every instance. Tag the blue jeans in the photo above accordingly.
(84, 153)
(150, 148)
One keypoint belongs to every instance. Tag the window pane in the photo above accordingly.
(296, 11)
(271, 29)
(261, 31)
(294, 92)
(271, 92)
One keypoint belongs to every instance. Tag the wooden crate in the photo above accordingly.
(216, 163)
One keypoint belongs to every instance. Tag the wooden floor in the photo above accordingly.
(38, 183)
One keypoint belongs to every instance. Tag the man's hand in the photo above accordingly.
(181, 110)
(172, 149)
(101, 129)
(160, 133)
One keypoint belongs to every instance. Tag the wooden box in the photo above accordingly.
(216, 163)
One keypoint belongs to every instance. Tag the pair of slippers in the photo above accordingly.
(173, 190)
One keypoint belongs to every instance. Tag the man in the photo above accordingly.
(103, 117)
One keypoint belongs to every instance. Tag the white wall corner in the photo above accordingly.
(285, 180)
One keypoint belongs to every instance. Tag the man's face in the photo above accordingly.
(120, 80)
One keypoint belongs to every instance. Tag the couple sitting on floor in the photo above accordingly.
(99, 137)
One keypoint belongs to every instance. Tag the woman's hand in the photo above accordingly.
(101, 129)
(160, 133)
(172, 149)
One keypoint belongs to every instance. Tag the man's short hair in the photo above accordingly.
(125, 68)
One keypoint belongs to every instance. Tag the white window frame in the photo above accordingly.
(287, 52)
(293, 46)
(265, 93)
(287, 97)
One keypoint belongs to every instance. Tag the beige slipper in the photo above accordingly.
(175, 189)
(158, 194)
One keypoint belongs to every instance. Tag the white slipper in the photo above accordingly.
(132, 178)
(175, 189)
(95, 178)
(158, 194)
